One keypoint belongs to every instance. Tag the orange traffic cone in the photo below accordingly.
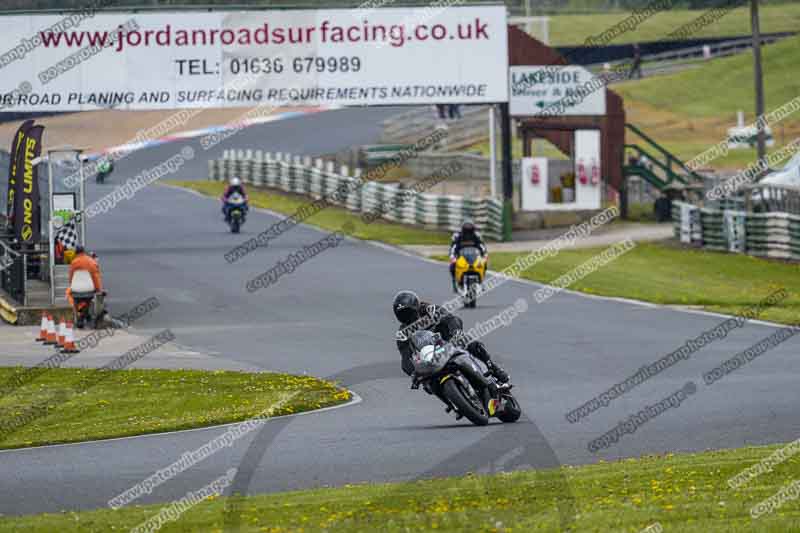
(43, 329)
(60, 335)
(69, 339)
(51, 332)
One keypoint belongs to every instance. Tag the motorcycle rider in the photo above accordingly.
(84, 261)
(408, 309)
(104, 168)
(235, 186)
(468, 236)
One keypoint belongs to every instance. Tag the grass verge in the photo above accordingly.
(687, 493)
(136, 402)
(574, 29)
(673, 275)
(332, 218)
(674, 109)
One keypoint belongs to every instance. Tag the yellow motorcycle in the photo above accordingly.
(470, 271)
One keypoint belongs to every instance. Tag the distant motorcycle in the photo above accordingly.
(236, 211)
(103, 171)
(461, 381)
(470, 271)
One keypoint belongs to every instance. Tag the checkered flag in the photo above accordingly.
(68, 235)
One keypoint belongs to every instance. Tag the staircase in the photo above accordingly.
(666, 170)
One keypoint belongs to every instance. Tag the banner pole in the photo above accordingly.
(508, 184)
(83, 199)
(50, 237)
(492, 152)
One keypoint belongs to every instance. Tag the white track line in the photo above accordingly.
(356, 399)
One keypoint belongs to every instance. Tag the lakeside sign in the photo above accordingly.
(555, 91)
(193, 59)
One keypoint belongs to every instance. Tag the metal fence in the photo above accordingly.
(389, 201)
(770, 199)
(472, 167)
(13, 273)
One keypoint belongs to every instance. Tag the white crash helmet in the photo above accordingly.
(235, 182)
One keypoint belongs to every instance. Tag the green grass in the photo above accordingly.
(687, 112)
(724, 85)
(332, 218)
(687, 493)
(673, 275)
(574, 29)
(135, 402)
(690, 111)
(639, 213)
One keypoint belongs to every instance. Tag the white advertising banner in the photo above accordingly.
(555, 91)
(247, 58)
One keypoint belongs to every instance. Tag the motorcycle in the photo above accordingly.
(104, 170)
(470, 271)
(89, 303)
(461, 381)
(236, 211)
(89, 309)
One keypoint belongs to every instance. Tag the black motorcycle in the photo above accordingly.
(461, 381)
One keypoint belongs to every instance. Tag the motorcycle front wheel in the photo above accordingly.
(473, 409)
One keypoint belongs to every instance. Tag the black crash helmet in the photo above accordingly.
(406, 307)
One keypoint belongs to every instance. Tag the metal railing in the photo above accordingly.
(773, 199)
(719, 49)
(13, 273)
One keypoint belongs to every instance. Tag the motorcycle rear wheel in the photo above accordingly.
(452, 391)
(472, 296)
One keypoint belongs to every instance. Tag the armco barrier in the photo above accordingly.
(298, 175)
(774, 235)
(416, 123)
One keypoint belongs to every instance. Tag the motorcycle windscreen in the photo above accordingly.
(429, 360)
(471, 254)
(422, 338)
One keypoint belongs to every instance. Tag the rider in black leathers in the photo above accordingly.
(408, 309)
(468, 236)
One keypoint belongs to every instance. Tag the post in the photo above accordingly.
(508, 184)
(623, 199)
(52, 260)
(528, 23)
(50, 237)
(547, 31)
(759, 80)
(492, 152)
(25, 278)
(83, 199)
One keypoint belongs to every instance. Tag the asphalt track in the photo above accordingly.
(332, 317)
